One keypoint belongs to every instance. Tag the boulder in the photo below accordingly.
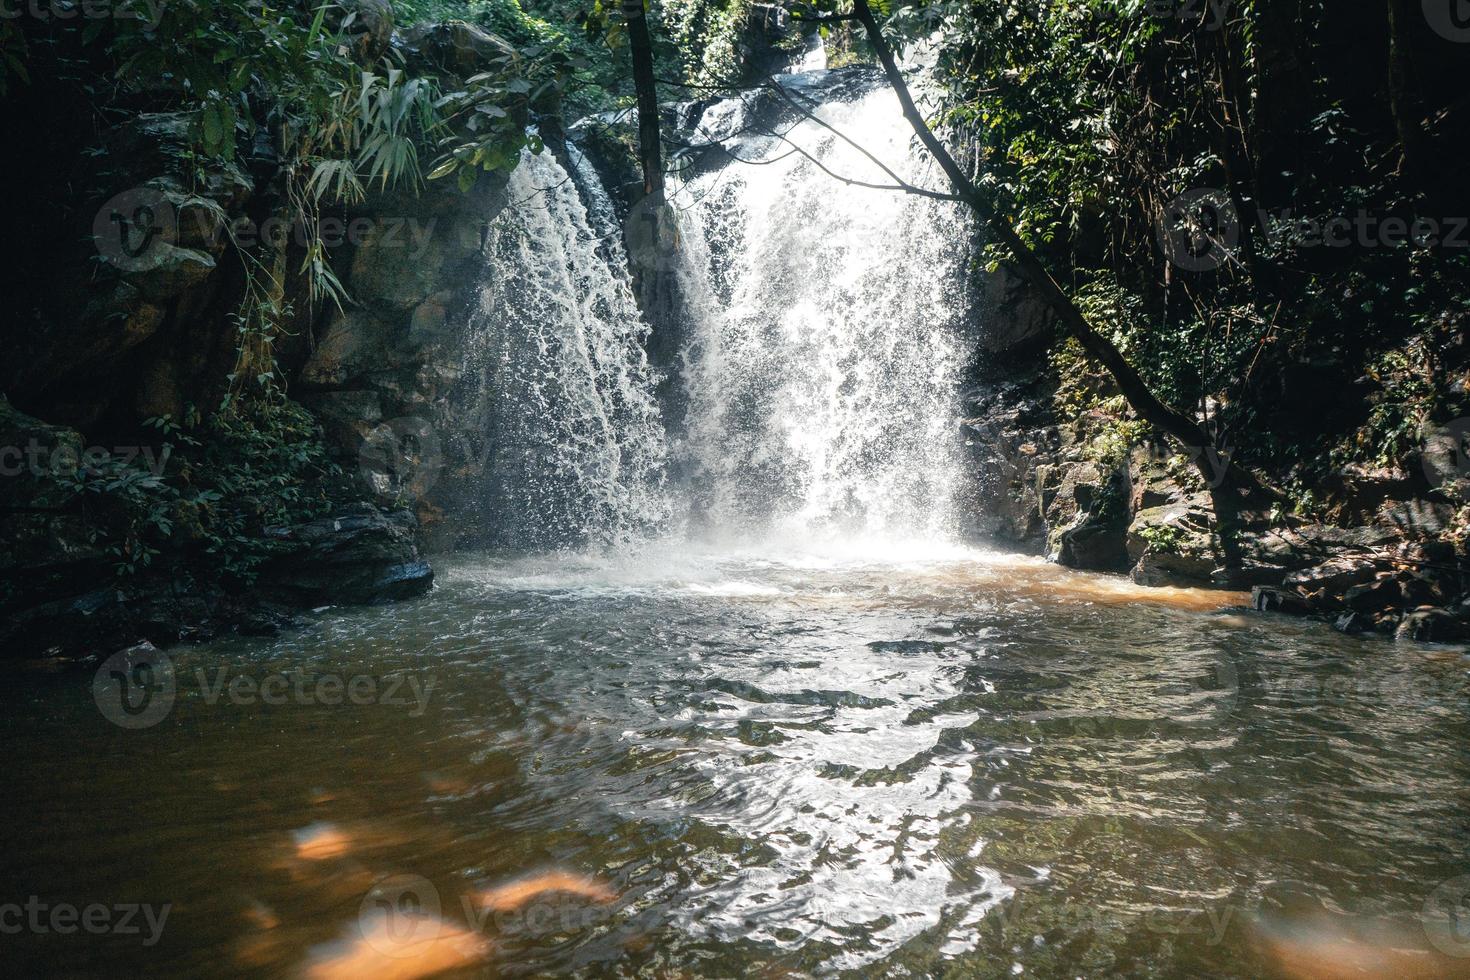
(1270, 599)
(356, 343)
(1326, 584)
(1375, 596)
(1353, 623)
(457, 47)
(358, 555)
(1161, 569)
(1173, 545)
(1012, 320)
(367, 26)
(1095, 547)
(1433, 626)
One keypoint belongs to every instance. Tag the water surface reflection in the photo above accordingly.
(737, 763)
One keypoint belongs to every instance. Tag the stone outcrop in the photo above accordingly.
(135, 322)
(1391, 567)
(357, 556)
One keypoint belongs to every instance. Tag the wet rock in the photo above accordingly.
(1163, 569)
(359, 555)
(1093, 547)
(1173, 545)
(1353, 623)
(347, 417)
(355, 343)
(1012, 320)
(1327, 583)
(172, 270)
(1418, 518)
(91, 622)
(1248, 575)
(457, 47)
(367, 26)
(1013, 447)
(1433, 626)
(1373, 596)
(1269, 599)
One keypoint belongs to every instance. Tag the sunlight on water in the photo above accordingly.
(816, 734)
(785, 761)
(564, 389)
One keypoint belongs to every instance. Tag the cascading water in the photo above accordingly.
(825, 355)
(565, 390)
(822, 349)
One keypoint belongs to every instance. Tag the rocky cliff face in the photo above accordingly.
(132, 319)
(1389, 565)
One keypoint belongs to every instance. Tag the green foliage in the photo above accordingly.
(589, 67)
(338, 121)
(1087, 118)
(209, 490)
(1163, 538)
(707, 35)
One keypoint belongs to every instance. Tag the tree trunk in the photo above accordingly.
(1097, 346)
(1408, 114)
(650, 154)
(1284, 100)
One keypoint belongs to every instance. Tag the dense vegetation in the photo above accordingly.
(1192, 171)
(1273, 243)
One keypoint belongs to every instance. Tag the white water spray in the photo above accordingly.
(578, 439)
(826, 354)
(821, 363)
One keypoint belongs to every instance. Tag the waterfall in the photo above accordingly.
(564, 388)
(815, 396)
(825, 355)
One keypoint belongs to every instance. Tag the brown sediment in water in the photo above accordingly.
(1051, 583)
(1329, 948)
(522, 891)
(380, 948)
(322, 842)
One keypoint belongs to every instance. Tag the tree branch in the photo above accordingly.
(1097, 346)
